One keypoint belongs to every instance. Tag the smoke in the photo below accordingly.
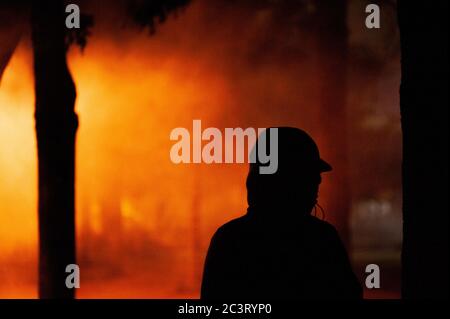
(144, 223)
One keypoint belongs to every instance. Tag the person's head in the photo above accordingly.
(295, 184)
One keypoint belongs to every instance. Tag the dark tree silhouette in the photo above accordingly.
(424, 111)
(56, 126)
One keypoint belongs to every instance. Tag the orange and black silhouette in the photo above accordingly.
(278, 249)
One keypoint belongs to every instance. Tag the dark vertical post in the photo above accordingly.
(56, 125)
(424, 112)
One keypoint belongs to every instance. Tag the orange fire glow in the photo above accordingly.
(143, 223)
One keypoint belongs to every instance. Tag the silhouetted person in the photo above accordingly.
(278, 250)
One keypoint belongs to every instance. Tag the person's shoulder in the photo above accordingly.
(233, 227)
(322, 225)
(234, 224)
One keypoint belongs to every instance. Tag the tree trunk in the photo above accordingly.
(424, 111)
(56, 125)
(332, 49)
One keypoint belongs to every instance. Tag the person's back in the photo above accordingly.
(278, 250)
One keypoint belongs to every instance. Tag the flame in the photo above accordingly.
(18, 172)
(143, 223)
(126, 183)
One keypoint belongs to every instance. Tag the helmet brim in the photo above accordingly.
(324, 166)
